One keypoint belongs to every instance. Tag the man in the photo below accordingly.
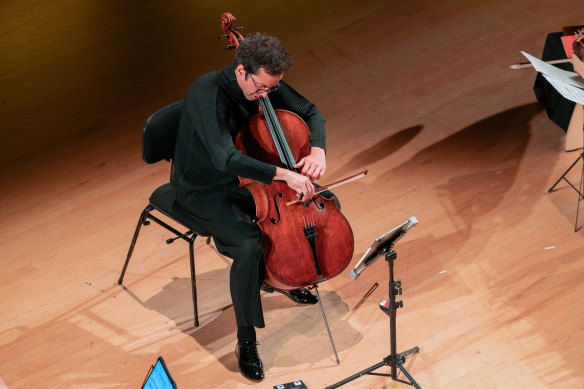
(207, 166)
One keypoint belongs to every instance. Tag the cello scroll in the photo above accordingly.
(230, 31)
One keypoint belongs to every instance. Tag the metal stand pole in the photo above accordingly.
(394, 360)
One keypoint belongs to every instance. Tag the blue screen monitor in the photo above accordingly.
(159, 377)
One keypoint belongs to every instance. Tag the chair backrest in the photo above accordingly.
(159, 135)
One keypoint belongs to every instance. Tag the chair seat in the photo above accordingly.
(163, 199)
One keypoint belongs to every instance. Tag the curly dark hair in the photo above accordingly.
(262, 50)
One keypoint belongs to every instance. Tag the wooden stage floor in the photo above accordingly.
(421, 94)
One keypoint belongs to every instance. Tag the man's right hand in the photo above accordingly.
(299, 183)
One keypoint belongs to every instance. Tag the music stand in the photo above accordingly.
(571, 86)
(384, 246)
(579, 68)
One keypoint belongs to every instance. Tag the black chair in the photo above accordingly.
(158, 143)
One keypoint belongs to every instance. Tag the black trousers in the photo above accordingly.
(228, 217)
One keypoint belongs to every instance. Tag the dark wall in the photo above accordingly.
(68, 67)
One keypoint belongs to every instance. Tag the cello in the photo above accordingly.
(307, 241)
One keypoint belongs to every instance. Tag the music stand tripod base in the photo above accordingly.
(579, 190)
(394, 360)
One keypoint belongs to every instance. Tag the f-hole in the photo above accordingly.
(274, 221)
(318, 204)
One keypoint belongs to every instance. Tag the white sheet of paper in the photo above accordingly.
(568, 84)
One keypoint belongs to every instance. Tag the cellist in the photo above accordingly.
(207, 166)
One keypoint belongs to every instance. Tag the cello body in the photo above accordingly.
(304, 243)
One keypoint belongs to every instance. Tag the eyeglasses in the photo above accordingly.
(262, 88)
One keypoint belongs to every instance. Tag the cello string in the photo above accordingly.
(272, 125)
(277, 130)
(277, 133)
(277, 142)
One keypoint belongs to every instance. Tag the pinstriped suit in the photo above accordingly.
(206, 169)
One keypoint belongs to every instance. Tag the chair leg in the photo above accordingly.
(141, 221)
(193, 277)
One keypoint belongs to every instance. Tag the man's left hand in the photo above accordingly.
(313, 165)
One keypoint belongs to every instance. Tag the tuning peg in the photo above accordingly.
(224, 36)
(229, 47)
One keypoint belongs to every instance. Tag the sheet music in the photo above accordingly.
(568, 84)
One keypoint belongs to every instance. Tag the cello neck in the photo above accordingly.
(277, 134)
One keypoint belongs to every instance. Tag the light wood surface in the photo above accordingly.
(420, 93)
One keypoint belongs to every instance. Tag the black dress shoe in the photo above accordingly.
(250, 364)
(300, 296)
